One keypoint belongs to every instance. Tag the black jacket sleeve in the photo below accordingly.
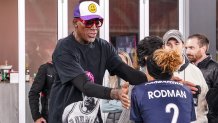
(91, 89)
(134, 77)
(94, 90)
(35, 90)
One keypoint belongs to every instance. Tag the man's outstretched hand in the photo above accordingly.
(124, 98)
(122, 95)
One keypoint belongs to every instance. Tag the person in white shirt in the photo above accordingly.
(173, 40)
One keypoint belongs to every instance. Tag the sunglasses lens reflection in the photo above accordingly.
(89, 23)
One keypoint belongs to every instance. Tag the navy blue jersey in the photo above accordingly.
(162, 102)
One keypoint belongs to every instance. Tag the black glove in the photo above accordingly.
(195, 96)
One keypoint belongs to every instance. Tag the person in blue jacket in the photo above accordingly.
(162, 100)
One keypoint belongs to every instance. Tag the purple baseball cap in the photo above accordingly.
(87, 10)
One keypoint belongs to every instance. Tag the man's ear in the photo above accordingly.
(204, 49)
(75, 23)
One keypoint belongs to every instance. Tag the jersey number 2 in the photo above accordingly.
(176, 111)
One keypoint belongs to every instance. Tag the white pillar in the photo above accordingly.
(104, 30)
(143, 18)
(21, 57)
(62, 18)
(184, 17)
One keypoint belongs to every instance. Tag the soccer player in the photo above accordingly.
(162, 100)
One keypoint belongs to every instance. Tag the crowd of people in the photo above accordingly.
(177, 81)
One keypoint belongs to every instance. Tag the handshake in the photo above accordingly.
(121, 94)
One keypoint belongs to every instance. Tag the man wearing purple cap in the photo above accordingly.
(83, 52)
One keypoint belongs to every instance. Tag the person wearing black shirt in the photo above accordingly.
(80, 53)
(41, 88)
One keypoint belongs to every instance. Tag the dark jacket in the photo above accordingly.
(209, 68)
(41, 85)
